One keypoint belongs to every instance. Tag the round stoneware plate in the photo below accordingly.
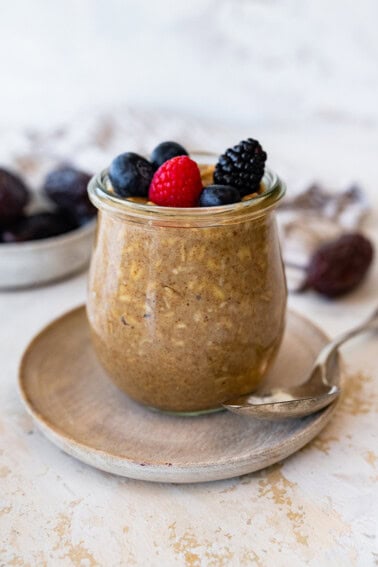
(78, 408)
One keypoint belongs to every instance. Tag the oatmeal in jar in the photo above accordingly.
(186, 304)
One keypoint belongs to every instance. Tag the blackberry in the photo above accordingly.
(241, 167)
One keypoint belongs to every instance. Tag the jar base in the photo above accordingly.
(187, 413)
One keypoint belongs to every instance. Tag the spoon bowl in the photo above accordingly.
(320, 389)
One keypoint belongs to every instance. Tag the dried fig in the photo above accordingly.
(339, 266)
(14, 196)
(67, 188)
(38, 226)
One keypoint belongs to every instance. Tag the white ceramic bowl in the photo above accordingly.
(27, 264)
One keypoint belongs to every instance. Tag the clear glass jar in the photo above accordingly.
(186, 306)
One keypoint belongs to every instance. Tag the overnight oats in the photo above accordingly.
(187, 292)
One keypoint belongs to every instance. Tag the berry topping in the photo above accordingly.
(35, 227)
(217, 195)
(67, 188)
(165, 151)
(130, 175)
(13, 196)
(242, 167)
(177, 183)
(340, 265)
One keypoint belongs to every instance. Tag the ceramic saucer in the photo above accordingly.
(77, 407)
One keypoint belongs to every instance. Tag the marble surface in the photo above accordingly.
(317, 508)
(300, 76)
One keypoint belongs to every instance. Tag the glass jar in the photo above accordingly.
(186, 306)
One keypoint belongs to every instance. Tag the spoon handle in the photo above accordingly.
(370, 324)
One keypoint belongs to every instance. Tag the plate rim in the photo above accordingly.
(145, 470)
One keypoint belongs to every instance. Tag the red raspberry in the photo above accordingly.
(177, 183)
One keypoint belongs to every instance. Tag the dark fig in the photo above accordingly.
(339, 266)
(67, 188)
(14, 196)
(38, 226)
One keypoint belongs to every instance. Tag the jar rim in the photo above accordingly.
(104, 199)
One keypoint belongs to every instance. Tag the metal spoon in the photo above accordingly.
(318, 391)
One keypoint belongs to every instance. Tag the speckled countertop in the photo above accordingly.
(317, 508)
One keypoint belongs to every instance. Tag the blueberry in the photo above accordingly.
(217, 195)
(131, 175)
(165, 151)
(38, 226)
(67, 188)
(14, 196)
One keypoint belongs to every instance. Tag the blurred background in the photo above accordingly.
(261, 62)
(300, 75)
